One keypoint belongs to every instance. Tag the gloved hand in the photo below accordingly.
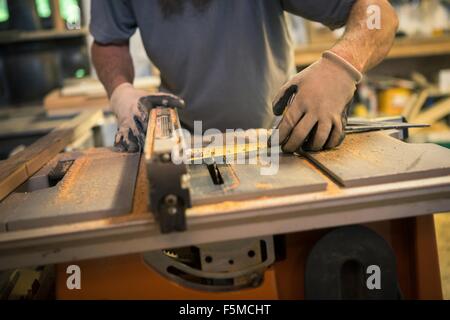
(132, 115)
(316, 101)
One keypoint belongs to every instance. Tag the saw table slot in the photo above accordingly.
(58, 172)
(215, 174)
(46, 178)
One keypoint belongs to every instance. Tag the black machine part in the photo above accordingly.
(169, 181)
(216, 267)
(337, 266)
(168, 197)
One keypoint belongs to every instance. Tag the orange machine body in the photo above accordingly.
(129, 277)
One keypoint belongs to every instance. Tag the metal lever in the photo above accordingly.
(355, 126)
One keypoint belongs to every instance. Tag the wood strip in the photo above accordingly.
(434, 113)
(17, 169)
(373, 158)
(413, 110)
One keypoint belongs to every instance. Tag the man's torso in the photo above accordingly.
(227, 60)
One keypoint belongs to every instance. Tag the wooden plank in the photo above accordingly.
(85, 193)
(435, 113)
(245, 181)
(413, 109)
(10, 183)
(43, 150)
(373, 158)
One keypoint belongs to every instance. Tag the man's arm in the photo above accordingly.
(362, 46)
(115, 70)
(113, 64)
(316, 118)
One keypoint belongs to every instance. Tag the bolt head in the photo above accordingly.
(165, 157)
(171, 200)
(255, 280)
(172, 210)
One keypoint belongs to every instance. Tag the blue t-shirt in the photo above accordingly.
(227, 61)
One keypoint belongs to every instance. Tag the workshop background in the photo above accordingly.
(46, 75)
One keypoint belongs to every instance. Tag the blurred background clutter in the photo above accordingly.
(44, 62)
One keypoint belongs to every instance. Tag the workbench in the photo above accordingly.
(137, 232)
(134, 230)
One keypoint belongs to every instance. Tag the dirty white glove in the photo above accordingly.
(131, 117)
(316, 99)
(131, 107)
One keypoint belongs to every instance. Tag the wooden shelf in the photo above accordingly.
(7, 37)
(402, 48)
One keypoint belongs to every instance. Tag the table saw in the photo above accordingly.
(91, 208)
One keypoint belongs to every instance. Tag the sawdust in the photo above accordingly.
(234, 177)
(98, 153)
(264, 186)
(66, 188)
(141, 191)
(333, 189)
(355, 146)
(66, 185)
(218, 207)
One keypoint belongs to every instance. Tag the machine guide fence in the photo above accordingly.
(169, 182)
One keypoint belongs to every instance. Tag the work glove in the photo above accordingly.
(131, 109)
(314, 104)
(131, 117)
